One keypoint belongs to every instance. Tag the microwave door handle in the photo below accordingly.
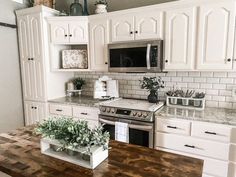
(106, 122)
(148, 56)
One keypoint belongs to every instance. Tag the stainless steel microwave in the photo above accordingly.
(141, 56)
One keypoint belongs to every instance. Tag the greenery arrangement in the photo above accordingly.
(180, 93)
(101, 2)
(73, 134)
(199, 95)
(78, 83)
(152, 83)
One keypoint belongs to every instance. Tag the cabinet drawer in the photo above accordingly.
(86, 112)
(232, 170)
(60, 110)
(173, 126)
(211, 131)
(193, 145)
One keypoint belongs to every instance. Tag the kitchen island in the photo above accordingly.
(20, 156)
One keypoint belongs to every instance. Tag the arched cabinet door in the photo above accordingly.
(37, 64)
(78, 32)
(25, 55)
(59, 32)
(216, 36)
(122, 28)
(180, 39)
(149, 25)
(98, 44)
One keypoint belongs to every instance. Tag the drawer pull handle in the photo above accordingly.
(58, 110)
(84, 113)
(210, 133)
(189, 146)
(171, 127)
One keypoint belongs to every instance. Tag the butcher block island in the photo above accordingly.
(20, 156)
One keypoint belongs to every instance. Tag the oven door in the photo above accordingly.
(140, 133)
(145, 56)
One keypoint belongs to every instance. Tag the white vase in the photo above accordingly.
(101, 8)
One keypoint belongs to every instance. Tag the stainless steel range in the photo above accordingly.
(138, 114)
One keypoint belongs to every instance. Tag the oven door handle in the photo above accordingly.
(148, 56)
(141, 127)
(106, 122)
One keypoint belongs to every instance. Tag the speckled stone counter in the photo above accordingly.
(78, 101)
(212, 115)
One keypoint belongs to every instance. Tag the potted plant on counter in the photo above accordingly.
(73, 141)
(78, 84)
(198, 99)
(152, 84)
(101, 6)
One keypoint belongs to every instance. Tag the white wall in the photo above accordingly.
(11, 109)
(113, 5)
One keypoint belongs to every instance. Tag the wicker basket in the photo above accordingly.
(48, 3)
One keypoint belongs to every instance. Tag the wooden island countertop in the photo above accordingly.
(20, 156)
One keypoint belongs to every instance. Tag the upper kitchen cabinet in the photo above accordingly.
(68, 30)
(144, 25)
(99, 37)
(32, 65)
(180, 37)
(216, 36)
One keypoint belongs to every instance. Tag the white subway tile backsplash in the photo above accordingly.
(217, 85)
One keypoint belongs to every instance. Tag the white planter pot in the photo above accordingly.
(76, 156)
(101, 8)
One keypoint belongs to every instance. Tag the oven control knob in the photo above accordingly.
(145, 115)
(108, 110)
(134, 114)
(103, 109)
(140, 114)
(112, 110)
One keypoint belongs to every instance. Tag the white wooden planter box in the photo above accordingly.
(189, 103)
(98, 154)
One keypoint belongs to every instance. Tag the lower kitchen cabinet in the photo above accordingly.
(89, 114)
(34, 112)
(214, 143)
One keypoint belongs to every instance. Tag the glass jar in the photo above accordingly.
(76, 9)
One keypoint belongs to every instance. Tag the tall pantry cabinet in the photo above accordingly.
(39, 83)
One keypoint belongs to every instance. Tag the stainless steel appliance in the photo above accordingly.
(141, 56)
(138, 114)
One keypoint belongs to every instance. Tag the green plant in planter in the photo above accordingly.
(72, 134)
(101, 2)
(152, 84)
(78, 83)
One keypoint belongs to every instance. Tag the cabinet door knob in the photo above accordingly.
(70, 35)
(166, 61)
(35, 107)
(229, 60)
(65, 35)
(136, 32)
(32, 107)
(131, 32)
(106, 63)
(32, 58)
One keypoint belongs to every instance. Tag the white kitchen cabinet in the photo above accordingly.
(99, 32)
(34, 112)
(143, 25)
(31, 57)
(122, 28)
(216, 36)
(149, 25)
(68, 30)
(180, 37)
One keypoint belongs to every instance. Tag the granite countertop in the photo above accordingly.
(21, 157)
(78, 101)
(212, 115)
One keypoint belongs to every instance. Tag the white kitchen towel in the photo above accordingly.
(122, 132)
